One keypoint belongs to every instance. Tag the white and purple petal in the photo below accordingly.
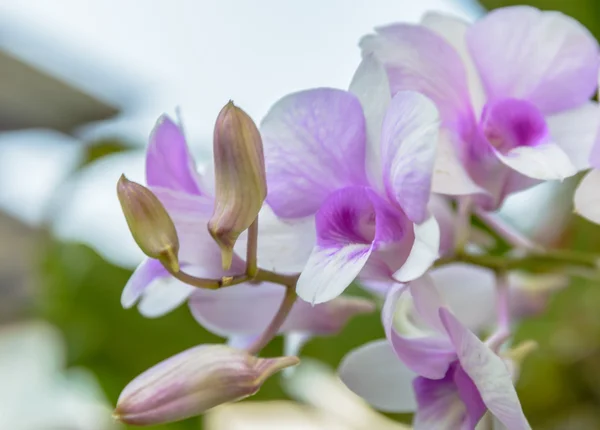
(419, 347)
(148, 270)
(519, 136)
(351, 224)
(488, 372)
(452, 402)
(314, 144)
(545, 57)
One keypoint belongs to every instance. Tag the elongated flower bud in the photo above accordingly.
(149, 223)
(194, 381)
(240, 183)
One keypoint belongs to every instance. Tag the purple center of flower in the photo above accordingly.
(512, 123)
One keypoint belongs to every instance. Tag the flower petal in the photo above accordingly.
(352, 223)
(417, 59)
(511, 123)
(409, 140)
(330, 270)
(576, 131)
(168, 160)
(374, 373)
(545, 162)
(470, 292)
(450, 176)
(148, 270)
(587, 196)
(314, 143)
(427, 301)
(371, 86)
(226, 312)
(518, 134)
(424, 252)
(426, 354)
(162, 296)
(454, 31)
(441, 403)
(284, 245)
(488, 372)
(545, 57)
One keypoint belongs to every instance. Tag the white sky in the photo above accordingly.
(151, 56)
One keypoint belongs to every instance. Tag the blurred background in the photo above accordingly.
(81, 84)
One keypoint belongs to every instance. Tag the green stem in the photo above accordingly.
(546, 261)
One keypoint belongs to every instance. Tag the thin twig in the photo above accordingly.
(502, 332)
(462, 223)
(252, 250)
(273, 328)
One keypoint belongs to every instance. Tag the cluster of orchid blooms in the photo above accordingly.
(375, 185)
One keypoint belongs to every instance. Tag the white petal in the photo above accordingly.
(469, 292)
(424, 252)
(449, 175)
(284, 245)
(575, 131)
(546, 161)
(330, 271)
(587, 197)
(374, 372)
(162, 296)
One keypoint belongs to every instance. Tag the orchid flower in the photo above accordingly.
(587, 199)
(513, 90)
(239, 312)
(455, 377)
(362, 171)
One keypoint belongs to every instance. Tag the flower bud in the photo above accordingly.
(194, 381)
(149, 223)
(240, 182)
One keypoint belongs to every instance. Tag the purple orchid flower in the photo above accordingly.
(240, 312)
(360, 163)
(453, 377)
(513, 91)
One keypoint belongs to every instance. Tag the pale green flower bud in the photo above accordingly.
(149, 223)
(194, 381)
(240, 180)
